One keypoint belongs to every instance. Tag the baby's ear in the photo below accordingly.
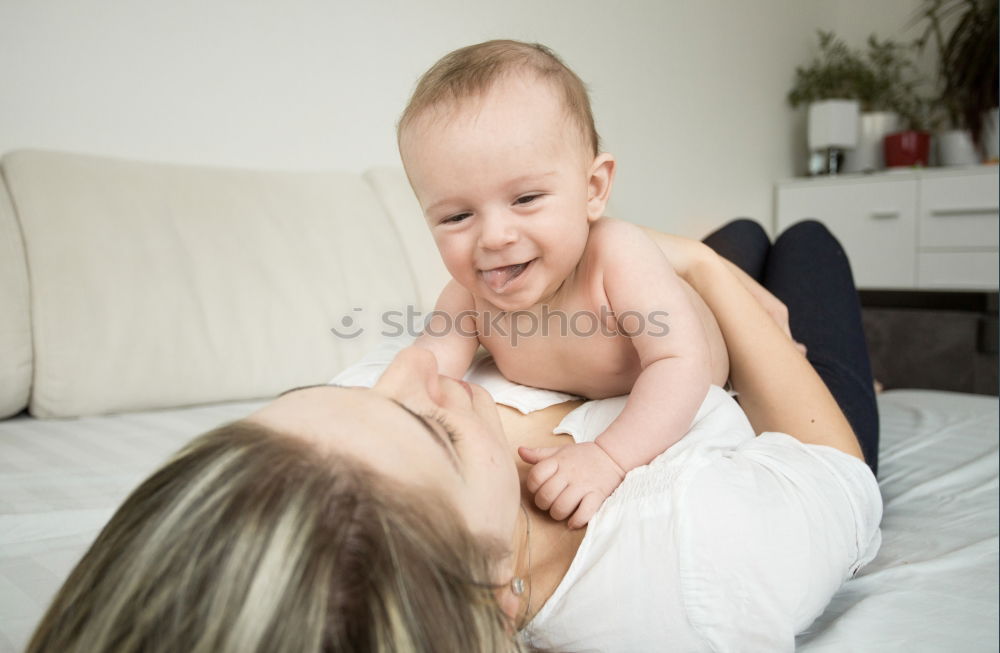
(602, 177)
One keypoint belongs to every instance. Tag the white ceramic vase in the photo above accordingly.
(869, 154)
(955, 148)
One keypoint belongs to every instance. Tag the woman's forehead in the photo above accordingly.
(361, 422)
(305, 408)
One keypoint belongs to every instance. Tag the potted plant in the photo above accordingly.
(829, 85)
(911, 147)
(968, 71)
(891, 76)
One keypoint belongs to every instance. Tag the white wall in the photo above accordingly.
(690, 95)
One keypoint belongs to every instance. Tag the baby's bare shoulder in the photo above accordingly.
(616, 241)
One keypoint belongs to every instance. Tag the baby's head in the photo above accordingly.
(499, 144)
(466, 75)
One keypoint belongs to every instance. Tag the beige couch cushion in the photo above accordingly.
(15, 314)
(397, 197)
(157, 285)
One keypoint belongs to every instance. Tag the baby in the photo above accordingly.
(499, 144)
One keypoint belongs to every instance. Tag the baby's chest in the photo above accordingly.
(576, 348)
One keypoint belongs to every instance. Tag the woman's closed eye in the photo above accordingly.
(448, 429)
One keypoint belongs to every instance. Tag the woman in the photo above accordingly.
(397, 518)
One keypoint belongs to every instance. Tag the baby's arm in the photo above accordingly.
(676, 373)
(676, 365)
(451, 332)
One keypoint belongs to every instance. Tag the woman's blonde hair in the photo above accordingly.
(471, 71)
(248, 540)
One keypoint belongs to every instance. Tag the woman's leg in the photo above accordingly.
(808, 270)
(744, 242)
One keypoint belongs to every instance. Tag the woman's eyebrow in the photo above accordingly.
(434, 434)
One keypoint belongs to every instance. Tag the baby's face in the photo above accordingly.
(503, 183)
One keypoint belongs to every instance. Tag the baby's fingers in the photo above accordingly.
(566, 503)
(534, 454)
(588, 508)
(550, 491)
(540, 473)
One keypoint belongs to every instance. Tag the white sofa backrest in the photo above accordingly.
(15, 323)
(397, 197)
(157, 285)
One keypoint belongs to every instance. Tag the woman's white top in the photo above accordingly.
(724, 542)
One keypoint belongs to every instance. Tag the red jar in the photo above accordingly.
(907, 149)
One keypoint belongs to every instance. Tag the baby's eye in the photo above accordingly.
(454, 219)
(527, 199)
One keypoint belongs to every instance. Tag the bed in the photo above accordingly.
(933, 586)
(130, 288)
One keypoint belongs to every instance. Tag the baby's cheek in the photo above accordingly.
(451, 254)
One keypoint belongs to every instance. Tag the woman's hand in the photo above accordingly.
(683, 253)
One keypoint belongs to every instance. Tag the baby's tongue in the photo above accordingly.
(497, 278)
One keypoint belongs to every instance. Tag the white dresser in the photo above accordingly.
(932, 229)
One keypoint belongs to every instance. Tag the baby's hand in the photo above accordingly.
(574, 479)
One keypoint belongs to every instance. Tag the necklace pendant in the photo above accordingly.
(517, 585)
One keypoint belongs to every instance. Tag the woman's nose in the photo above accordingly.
(498, 231)
(413, 370)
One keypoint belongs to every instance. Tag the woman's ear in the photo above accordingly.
(599, 182)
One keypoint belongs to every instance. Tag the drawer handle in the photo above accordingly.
(884, 215)
(944, 213)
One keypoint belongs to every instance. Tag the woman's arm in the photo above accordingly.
(778, 388)
(771, 304)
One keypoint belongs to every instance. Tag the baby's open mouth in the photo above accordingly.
(498, 279)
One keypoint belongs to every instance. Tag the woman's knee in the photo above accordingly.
(745, 231)
(808, 231)
(743, 242)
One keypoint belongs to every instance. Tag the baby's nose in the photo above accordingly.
(498, 231)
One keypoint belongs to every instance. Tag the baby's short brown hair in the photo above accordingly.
(472, 71)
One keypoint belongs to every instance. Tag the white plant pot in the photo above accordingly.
(991, 135)
(833, 123)
(955, 148)
(869, 154)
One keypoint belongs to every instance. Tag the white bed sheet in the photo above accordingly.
(933, 586)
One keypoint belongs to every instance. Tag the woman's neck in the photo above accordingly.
(551, 546)
(552, 549)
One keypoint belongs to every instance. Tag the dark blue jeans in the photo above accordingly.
(806, 268)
